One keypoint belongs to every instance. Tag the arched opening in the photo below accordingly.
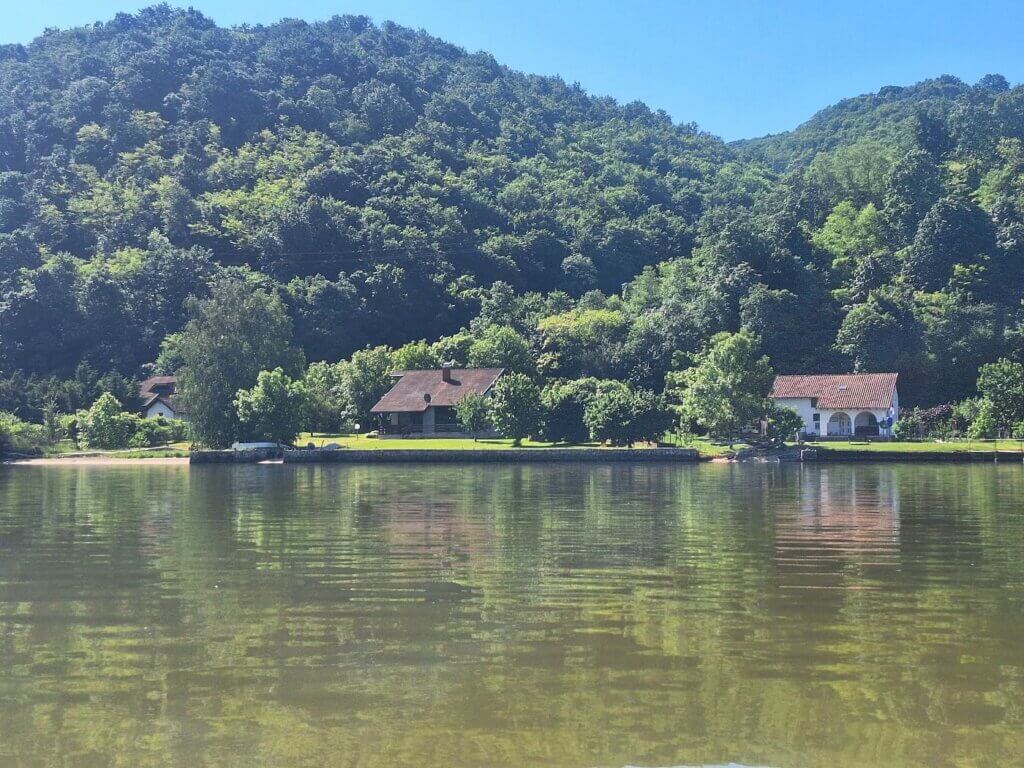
(839, 424)
(865, 425)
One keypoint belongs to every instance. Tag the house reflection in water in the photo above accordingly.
(844, 524)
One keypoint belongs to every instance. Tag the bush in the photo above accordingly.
(157, 431)
(623, 417)
(782, 423)
(985, 425)
(565, 404)
(106, 426)
(938, 422)
(275, 409)
(17, 436)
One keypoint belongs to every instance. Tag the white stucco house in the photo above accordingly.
(841, 405)
(157, 394)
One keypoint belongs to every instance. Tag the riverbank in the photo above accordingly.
(99, 460)
(491, 455)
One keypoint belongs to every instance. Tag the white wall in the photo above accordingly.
(802, 405)
(159, 409)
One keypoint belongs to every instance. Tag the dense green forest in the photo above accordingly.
(388, 187)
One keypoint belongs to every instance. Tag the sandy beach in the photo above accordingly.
(107, 461)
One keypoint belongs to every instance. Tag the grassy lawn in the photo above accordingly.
(956, 446)
(704, 447)
(421, 443)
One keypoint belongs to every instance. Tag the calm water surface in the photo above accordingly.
(556, 616)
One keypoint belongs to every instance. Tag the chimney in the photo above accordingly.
(446, 372)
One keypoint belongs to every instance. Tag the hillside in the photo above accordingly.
(392, 187)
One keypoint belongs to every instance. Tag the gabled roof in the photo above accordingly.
(407, 396)
(149, 398)
(157, 382)
(840, 390)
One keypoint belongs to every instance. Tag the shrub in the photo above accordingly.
(275, 409)
(985, 425)
(17, 436)
(565, 404)
(106, 426)
(157, 431)
(622, 417)
(782, 423)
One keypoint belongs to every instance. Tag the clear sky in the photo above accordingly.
(738, 68)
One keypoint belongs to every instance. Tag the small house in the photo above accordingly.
(158, 397)
(841, 405)
(422, 403)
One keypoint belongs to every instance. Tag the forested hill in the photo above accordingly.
(391, 187)
(946, 108)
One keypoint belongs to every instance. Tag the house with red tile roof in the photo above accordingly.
(422, 403)
(841, 405)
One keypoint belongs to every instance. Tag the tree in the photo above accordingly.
(565, 404)
(582, 341)
(105, 425)
(502, 347)
(954, 232)
(274, 410)
(367, 378)
(726, 388)
(651, 417)
(623, 417)
(415, 356)
(913, 187)
(516, 407)
(1001, 386)
(782, 423)
(474, 413)
(884, 334)
(232, 336)
(329, 407)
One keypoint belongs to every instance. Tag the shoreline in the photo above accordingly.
(520, 456)
(83, 461)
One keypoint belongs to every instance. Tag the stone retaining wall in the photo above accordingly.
(436, 456)
(234, 457)
(964, 457)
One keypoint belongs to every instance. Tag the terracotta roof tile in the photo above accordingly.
(407, 396)
(843, 390)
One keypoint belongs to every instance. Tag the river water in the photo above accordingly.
(530, 615)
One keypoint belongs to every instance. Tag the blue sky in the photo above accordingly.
(736, 68)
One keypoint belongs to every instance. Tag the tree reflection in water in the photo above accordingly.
(561, 615)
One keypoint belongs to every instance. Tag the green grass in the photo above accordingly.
(434, 443)
(953, 446)
(159, 453)
(67, 448)
(707, 447)
(703, 446)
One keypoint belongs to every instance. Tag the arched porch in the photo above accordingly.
(865, 425)
(839, 424)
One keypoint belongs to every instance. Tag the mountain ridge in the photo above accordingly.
(392, 187)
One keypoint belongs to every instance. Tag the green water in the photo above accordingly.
(863, 615)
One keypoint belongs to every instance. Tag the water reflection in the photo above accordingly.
(525, 615)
